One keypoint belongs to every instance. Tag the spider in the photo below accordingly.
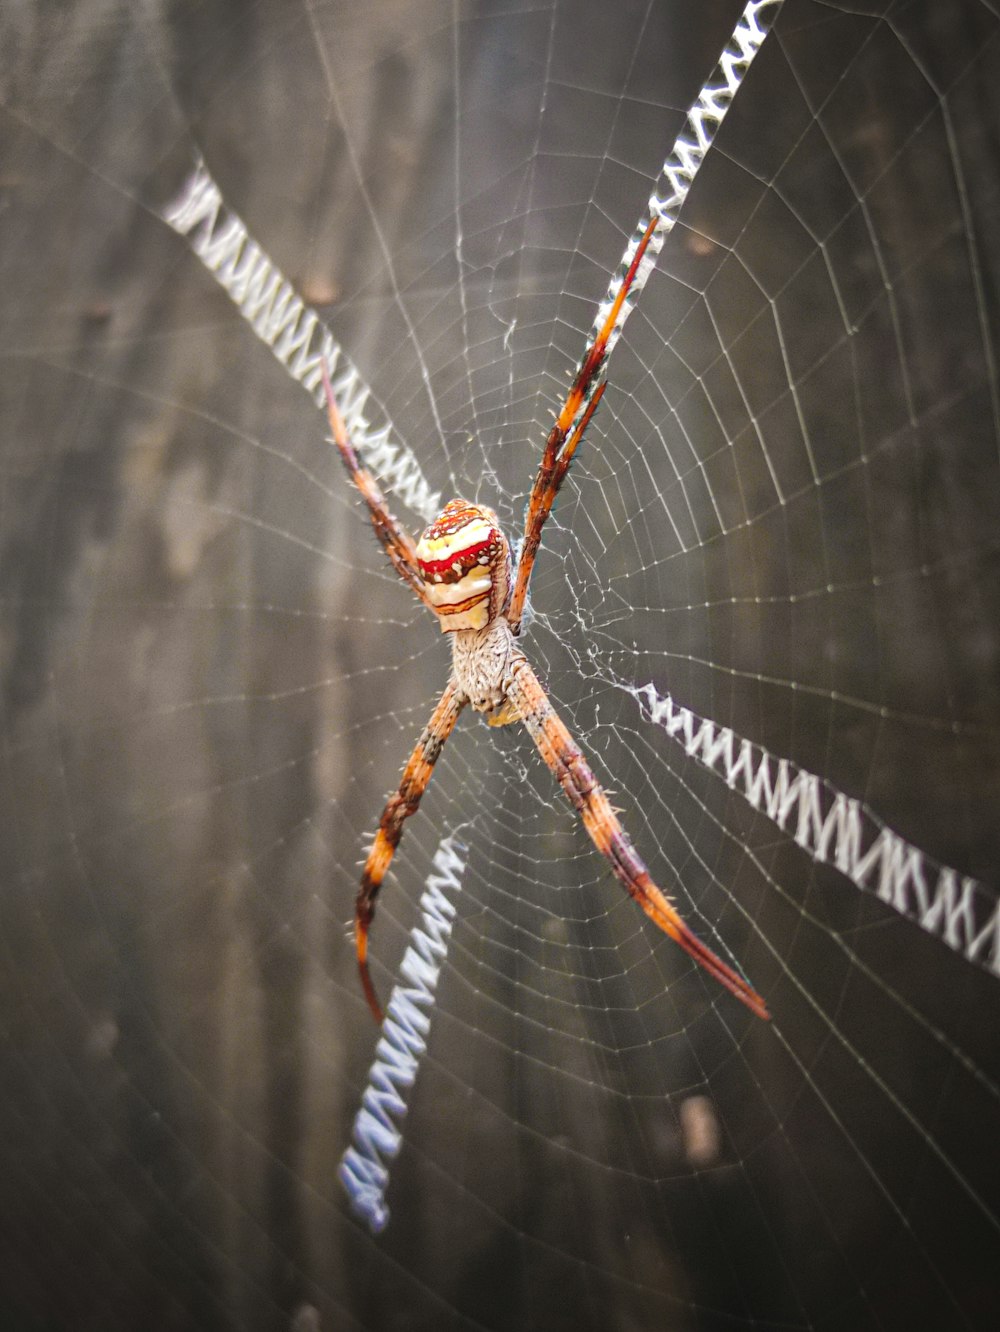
(461, 569)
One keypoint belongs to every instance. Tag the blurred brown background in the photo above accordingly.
(786, 518)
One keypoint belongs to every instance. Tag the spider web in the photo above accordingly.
(766, 606)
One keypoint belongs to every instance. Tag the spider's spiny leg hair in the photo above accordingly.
(550, 478)
(395, 540)
(584, 792)
(593, 359)
(569, 428)
(401, 805)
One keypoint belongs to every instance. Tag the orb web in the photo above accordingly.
(765, 605)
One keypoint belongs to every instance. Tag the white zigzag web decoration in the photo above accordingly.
(838, 830)
(685, 159)
(267, 301)
(364, 1171)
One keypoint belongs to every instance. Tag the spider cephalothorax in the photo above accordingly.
(461, 570)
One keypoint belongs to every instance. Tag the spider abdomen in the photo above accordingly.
(464, 562)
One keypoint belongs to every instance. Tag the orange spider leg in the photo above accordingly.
(558, 449)
(550, 478)
(396, 541)
(584, 792)
(402, 804)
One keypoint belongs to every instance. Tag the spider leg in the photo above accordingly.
(396, 541)
(584, 793)
(566, 434)
(402, 804)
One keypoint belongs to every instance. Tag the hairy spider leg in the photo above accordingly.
(584, 792)
(401, 805)
(564, 437)
(539, 508)
(396, 541)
